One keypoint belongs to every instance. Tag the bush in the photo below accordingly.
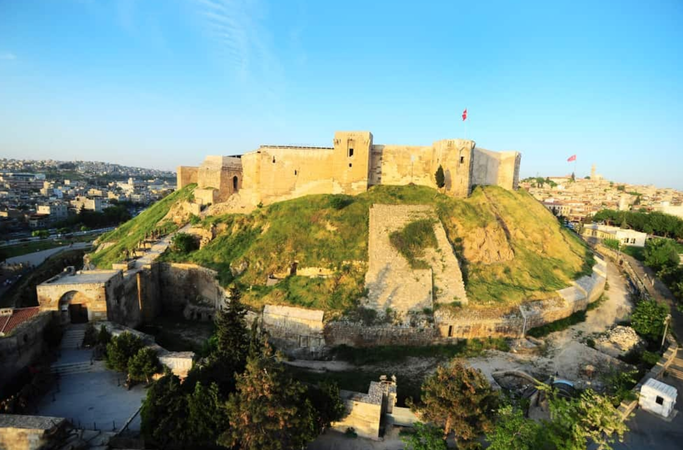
(121, 349)
(90, 337)
(340, 201)
(439, 177)
(648, 319)
(650, 358)
(184, 243)
(413, 239)
(103, 337)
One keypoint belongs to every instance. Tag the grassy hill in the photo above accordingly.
(510, 246)
(128, 235)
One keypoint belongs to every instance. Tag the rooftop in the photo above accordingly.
(17, 317)
(87, 277)
(29, 422)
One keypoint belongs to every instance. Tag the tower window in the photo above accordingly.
(462, 160)
(296, 172)
(350, 152)
(350, 165)
(273, 160)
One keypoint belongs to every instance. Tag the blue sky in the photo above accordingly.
(162, 83)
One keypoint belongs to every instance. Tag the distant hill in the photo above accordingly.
(510, 247)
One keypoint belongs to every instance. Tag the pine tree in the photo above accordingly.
(458, 398)
(269, 410)
(206, 415)
(144, 365)
(231, 333)
(440, 177)
(164, 413)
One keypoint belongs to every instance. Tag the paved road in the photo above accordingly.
(37, 258)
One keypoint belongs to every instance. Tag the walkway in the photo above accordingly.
(89, 394)
(157, 249)
(37, 258)
(658, 291)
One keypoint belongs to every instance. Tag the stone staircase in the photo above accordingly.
(73, 337)
(71, 368)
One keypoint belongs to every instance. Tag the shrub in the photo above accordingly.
(103, 337)
(121, 349)
(439, 177)
(648, 319)
(413, 239)
(90, 337)
(340, 201)
(184, 243)
(650, 358)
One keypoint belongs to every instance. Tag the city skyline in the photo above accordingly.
(136, 84)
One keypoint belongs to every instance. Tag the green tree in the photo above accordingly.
(325, 399)
(576, 422)
(207, 417)
(103, 337)
(440, 177)
(121, 349)
(661, 254)
(648, 319)
(232, 336)
(459, 398)
(269, 410)
(514, 432)
(144, 365)
(164, 413)
(425, 437)
(184, 243)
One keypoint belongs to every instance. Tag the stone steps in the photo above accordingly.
(73, 338)
(72, 368)
(675, 370)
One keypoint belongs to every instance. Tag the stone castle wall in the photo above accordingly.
(351, 166)
(23, 347)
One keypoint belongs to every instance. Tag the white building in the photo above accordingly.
(56, 211)
(90, 204)
(624, 236)
(658, 398)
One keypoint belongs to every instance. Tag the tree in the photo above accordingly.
(648, 319)
(326, 401)
(184, 243)
(207, 417)
(164, 413)
(514, 432)
(144, 365)
(661, 254)
(575, 422)
(459, 398)
(425, 437)
(121, 349)
(232, 337)
(440, 177)
(269, 410)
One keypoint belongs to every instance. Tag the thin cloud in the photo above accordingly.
(7, 56)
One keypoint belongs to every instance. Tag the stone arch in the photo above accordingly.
(74, 307)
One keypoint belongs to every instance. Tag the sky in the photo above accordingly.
(162, 83)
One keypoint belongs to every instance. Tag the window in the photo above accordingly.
(450, 330)
(462, 160)
(235, 184)
(273, 160)
(350, 165)
(296, 173)
(659, 400)
(350, 152)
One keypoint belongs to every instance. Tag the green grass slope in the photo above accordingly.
(537, 255)
(128, 235)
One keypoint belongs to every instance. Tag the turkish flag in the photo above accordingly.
(464, 115)
(572, 158)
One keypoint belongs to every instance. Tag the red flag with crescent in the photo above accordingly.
(571, 158)
(464, 115)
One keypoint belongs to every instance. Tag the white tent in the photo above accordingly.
(658, 398)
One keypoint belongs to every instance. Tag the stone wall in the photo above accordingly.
(294, 328)
(19, 432)
(354, 163)
(23, 346)
(186, 175)
(180, 284)
(357, 334)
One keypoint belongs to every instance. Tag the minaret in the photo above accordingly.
(593, 176)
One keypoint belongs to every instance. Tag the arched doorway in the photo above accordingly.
(235, 184)
(73, 307)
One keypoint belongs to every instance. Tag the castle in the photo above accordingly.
(352, 165)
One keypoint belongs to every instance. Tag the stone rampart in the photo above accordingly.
(294, 328)
(23, 346)
(180, 284)
(357, 334)
(186, 175)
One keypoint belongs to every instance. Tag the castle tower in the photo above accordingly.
(455, 156)
(351, 160)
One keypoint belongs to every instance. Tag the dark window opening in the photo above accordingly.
(273, 160)
(296, 173)
(659, 400)
(235, 183)
(350, 165)
(350, 152)
(450, 330)
(462, 159)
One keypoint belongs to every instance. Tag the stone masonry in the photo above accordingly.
(390, 280)
(352, 165)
